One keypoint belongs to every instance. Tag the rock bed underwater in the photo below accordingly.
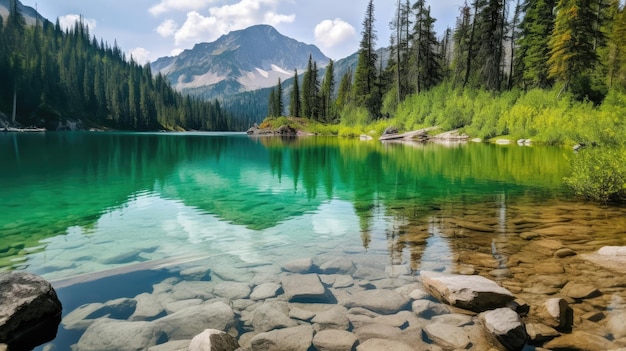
(564, 265)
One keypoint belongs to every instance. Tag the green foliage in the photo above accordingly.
(599, 174)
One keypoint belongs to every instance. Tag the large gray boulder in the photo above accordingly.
(213, 340)
(30, 310)
(334, 340)
(288, 339)
(470, 292)
(506, 326)
(305, 288)
(191, 321)
(115, 335)
(379, 301)
(272, 315)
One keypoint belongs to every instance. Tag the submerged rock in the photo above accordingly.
(379, 301)
(30, 310)
(288, 339)
(115, 335)
(305, 288)
(334, 340)
(474, 293)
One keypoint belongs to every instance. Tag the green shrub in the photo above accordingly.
(599, 174)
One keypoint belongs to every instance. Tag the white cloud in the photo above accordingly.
(140, 55)
(224, 19)
(167, 29)
(68, 21)
(330, 33)
(178, 5)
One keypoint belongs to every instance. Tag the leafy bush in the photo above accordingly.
(599, 174)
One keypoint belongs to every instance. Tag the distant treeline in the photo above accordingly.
(52, 75)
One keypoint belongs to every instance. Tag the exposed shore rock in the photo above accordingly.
(283, 130)
(611, 257)
(474, 293)
(507, 327)
(213, 340)
(30, 310)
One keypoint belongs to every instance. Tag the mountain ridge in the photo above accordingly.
(243, 60)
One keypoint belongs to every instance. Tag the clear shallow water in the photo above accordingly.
(82, 203)
(108, 215)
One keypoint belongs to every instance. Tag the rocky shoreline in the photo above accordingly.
(344, 304)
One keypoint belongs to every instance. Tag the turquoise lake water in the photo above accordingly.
(124, 211)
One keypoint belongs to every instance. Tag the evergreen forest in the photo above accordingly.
(553, 71)
(50, 76)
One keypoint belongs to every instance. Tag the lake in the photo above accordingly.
(111, 215)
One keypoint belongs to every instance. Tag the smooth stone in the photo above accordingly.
(501, 273)
(369, 273)
(192, 321)
(529, 235)
(300, 266)
(562, 253)
(339, 265)
(79, 319)
(379, 301)
(333, 318)
(377, 331)
(304, 288)
(611, 257)
(343, 281)
(578, 341)
(232, 290)
(174, 345)
(454, 319)
(539, 333)
(549, 268)
(384, 345)
(428, 309)
(176, 306)
(301, 314)
(272, 315)
(334, 340)
(418, 294)
(580, 291)
(265, 291)
(558, 314)
(186, 290)
(447, 336)
(213, 340)
(506, 326)
(196, 273)
(617, 324)
(148, 307)
(30, 311)
(297, 338)
(115, 335)
(470, 292)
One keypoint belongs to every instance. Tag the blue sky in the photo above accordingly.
(149, 29)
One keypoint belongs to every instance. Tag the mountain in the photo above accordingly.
(243, 60)
(29, 13)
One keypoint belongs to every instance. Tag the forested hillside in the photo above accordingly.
(54, 75)
(500, 51)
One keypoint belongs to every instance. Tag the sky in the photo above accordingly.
(149, 29)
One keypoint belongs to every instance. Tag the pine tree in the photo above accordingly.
(426, 61)
(294, 103)
(572, 51)
(271, 104)
(462, 45)
(326, 93)
(489, 34)
(345, 90)
(534, 48)
(366, 74)
(617, 52)
(310, 91)
(278, 100)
